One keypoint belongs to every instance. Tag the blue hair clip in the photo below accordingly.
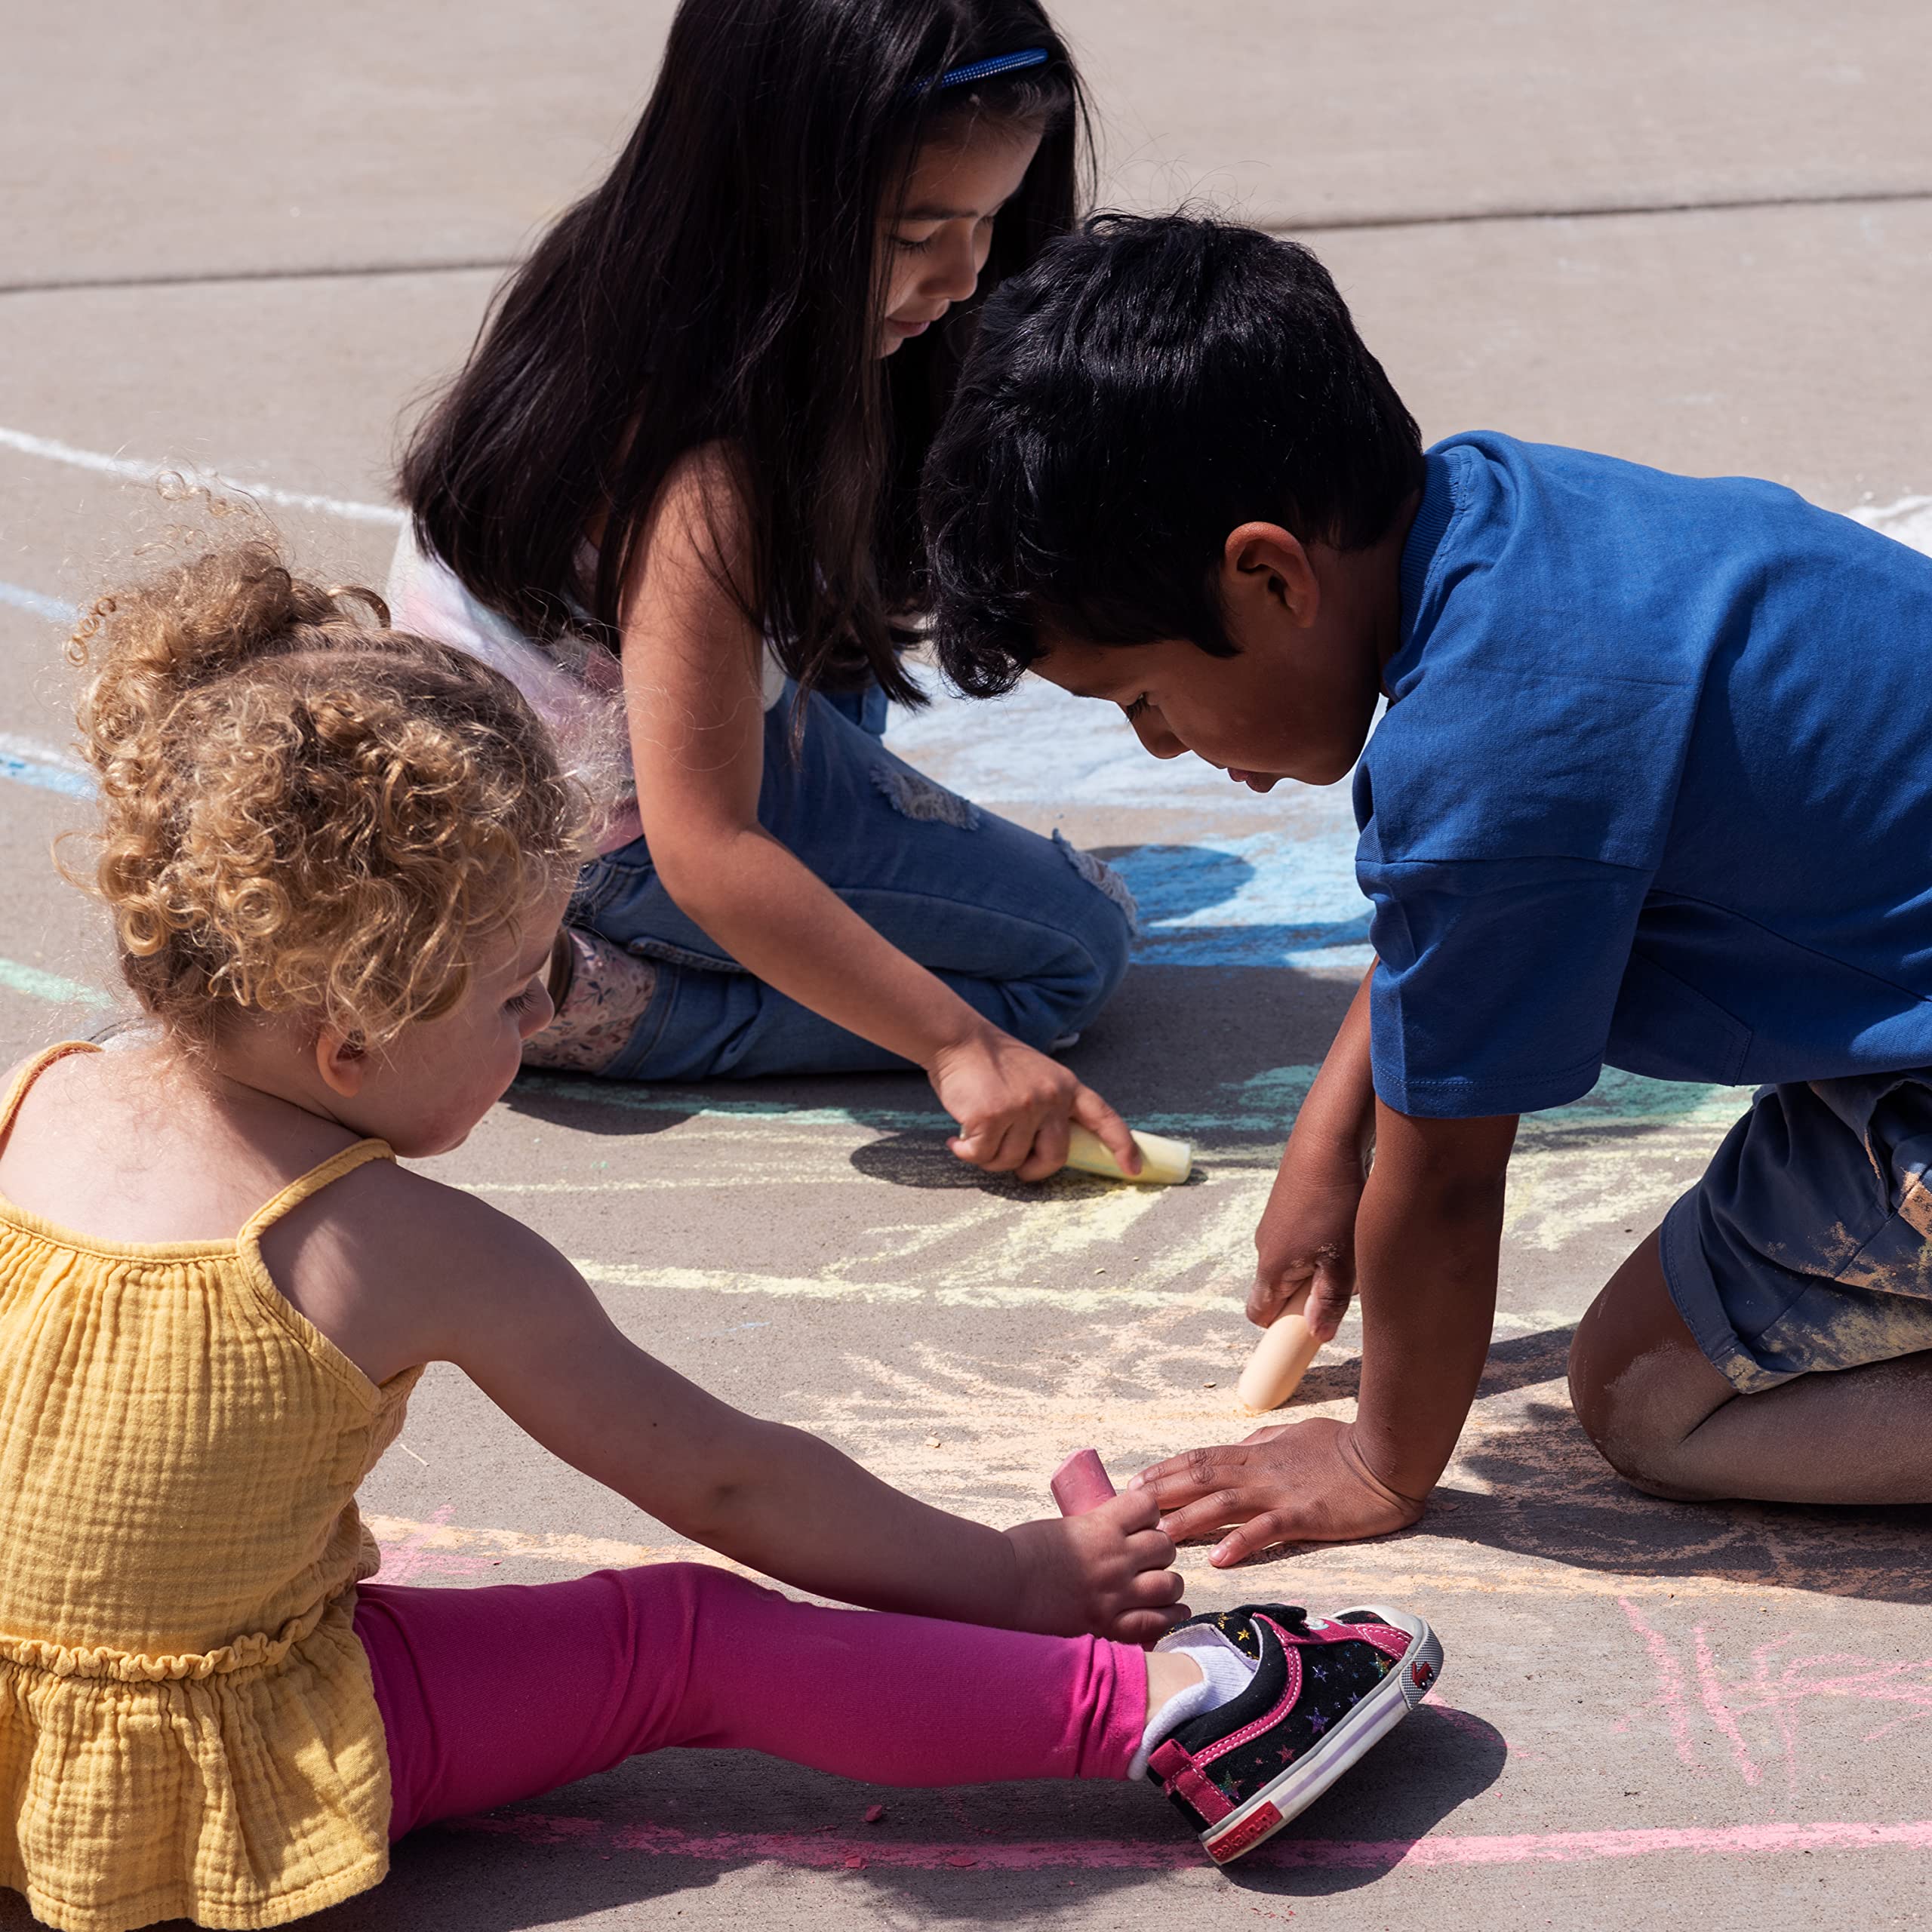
(985, 70)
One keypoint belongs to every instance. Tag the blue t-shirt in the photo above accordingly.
(1655, 787)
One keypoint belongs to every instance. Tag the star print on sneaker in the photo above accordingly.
(1325, 1689)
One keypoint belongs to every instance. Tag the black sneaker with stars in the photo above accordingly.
(1324, 1690)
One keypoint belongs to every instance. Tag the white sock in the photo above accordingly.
(1226, 1671)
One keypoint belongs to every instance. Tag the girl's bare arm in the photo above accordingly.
(457, 1281)
(692, 684)
(692, 687)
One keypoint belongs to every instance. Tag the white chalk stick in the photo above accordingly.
(1163, 1162)
(1280, 1360)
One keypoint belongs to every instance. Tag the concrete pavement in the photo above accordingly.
(1698, 235)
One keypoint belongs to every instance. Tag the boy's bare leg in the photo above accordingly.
(1667, 1422)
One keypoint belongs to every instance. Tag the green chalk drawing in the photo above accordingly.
(37, 984)
(1263, 1103)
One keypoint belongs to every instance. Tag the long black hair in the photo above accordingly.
(720, 288)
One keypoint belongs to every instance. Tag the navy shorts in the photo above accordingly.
(1807, 1245)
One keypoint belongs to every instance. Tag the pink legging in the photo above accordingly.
(492, 1695)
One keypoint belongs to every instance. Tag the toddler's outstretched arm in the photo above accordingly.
(514, 1314)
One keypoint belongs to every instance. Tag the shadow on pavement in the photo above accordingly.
(662, 1828)
(1550, 1495)
(1175, 1041)
(1359, 1830)
(594, 1107)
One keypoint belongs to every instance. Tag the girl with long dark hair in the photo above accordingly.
(672, 493)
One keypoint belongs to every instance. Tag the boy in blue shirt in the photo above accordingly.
(1654, 789)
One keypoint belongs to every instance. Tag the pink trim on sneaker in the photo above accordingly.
(1391, 1642)
(1291, 1697)
(1255, 1826)
(1179, 1773)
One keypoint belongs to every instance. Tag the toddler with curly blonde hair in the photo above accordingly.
(337, 856)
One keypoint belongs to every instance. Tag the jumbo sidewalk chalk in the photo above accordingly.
(1280, 1360)
(1163, 1162)
(1081, 1483)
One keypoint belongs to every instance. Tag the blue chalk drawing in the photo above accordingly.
(1037, 745)
(1285, 897)
(28, 764)
(22, 598)
(1269, 899)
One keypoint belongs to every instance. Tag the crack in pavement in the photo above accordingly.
(1279, 224)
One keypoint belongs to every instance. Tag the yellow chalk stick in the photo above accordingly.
(1162, 1160)
(1280, 1360)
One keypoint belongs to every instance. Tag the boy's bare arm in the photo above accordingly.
(1306, 1239)
(1426, 1241)
(1430, 1226)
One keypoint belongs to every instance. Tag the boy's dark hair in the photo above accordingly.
(1146, 385)
(719, 287)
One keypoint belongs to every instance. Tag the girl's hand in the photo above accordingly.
(1306, 1240)
(1013, 1104)
(1295, 1482)
(1103, 1574)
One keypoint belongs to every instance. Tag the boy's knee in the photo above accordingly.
(1630, 1414)
(1654, 1465)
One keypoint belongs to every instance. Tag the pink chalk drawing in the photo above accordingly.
(799, 1849)
(1670, 1684)
(1769, 1696)
(414, 1557)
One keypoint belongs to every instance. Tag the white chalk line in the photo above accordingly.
(135, 470)
(668, 1183)
(13, 745)
(1340, 1571)
(1087, 1300)
(969, 1180)
(1902, 519)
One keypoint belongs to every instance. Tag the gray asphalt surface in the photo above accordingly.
(1700, 234)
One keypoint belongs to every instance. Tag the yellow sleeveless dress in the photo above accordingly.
(187, 1725)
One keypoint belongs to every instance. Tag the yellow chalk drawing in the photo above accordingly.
(1145, 1356)
(1613, 1161)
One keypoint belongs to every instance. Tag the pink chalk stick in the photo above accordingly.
(1080, 1483)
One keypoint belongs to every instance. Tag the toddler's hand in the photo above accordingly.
(1104, 1572)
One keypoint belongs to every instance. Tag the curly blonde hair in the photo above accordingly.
(303, 810)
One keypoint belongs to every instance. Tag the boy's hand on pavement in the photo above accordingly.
(1104, 1572)
(1295, 1482)
(1306, 1239)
